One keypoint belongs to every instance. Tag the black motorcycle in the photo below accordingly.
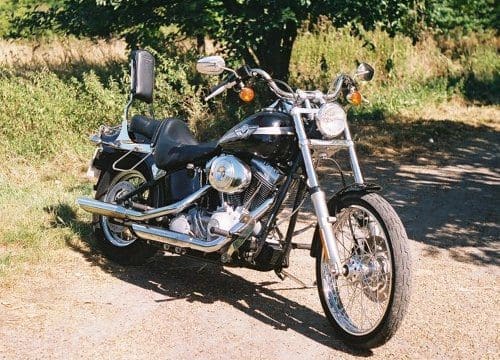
(223, 201)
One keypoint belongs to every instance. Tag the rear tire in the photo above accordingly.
(379, 263)
(120, 248)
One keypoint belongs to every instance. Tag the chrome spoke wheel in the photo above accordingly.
(115, 233)
(359, 299)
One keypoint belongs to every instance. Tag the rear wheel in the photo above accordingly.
(366, 305)
(116, 240)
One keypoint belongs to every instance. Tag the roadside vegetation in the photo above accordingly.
(56, 90)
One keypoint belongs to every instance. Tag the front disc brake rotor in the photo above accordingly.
(376, 267)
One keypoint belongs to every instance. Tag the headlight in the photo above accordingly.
(331, 120)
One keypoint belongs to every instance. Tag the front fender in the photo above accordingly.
(333, 203)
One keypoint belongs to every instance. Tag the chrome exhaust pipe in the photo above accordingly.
(183, 240)
(120, 212)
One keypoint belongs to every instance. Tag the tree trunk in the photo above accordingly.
(275, 53)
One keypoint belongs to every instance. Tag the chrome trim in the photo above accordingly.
(178, 239)
(271, 130)
(210, 65)
(318, 143)
(116, 168)
(123, 135)
(183, 240)
(128, 145)
(157, 173)
(120, 212)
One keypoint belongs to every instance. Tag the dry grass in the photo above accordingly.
(37, 211)
(459, 111)
(60, 53)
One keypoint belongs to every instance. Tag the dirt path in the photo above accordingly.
(179, 309)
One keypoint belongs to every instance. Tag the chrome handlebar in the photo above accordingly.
(300, 94)
(315, 95)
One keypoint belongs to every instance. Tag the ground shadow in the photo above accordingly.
(441, 176)
(174, 277)
(478, 91)
(446, 194)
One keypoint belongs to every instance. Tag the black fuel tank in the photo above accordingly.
(266, 134)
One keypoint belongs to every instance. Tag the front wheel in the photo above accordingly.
(367, 303)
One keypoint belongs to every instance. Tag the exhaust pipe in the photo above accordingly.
(183, 240)
(120, 212)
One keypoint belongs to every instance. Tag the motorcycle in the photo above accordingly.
(222, 201)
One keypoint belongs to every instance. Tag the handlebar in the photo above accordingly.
(300, 94)
(315, 95)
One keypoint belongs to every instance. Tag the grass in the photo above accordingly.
(407, 76)
(37, 212)
(55, 93)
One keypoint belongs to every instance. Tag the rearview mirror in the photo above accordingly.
(364, 72)
(211, 65)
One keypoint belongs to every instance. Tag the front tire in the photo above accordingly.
(117, 242)
(367, 304)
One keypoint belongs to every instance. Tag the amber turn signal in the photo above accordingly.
(355, 98)
(247, 94)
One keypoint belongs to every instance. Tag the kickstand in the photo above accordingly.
(283, 275)
(279, 273)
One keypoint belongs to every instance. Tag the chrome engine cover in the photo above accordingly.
(181, 224)
(197, 222)
(228, 174)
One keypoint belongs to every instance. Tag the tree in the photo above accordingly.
(260, 32)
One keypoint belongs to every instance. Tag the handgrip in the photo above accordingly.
(219, 89)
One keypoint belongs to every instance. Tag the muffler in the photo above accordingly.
(183, 240)
(120, 212)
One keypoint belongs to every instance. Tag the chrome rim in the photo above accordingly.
(359, 299)
(116, 234)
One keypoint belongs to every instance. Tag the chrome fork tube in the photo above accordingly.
(317, 195)
(353, 158)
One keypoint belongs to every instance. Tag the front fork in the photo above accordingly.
(318, 198)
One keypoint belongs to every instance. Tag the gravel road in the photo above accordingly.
(178, 308)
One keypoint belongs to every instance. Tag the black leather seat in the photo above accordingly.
(144, 126)
(175, 146)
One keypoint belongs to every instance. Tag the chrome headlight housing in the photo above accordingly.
(331, 120)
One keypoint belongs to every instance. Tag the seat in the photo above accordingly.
(175, 146)
(144, 126)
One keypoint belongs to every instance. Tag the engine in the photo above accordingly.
(241, 187)
(228, 174)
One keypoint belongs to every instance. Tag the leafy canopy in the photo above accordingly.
(260, 32)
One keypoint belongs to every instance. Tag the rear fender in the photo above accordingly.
(107, 156)
(335, 202)
(174, 187)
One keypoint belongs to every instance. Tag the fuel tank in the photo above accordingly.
(267, 134)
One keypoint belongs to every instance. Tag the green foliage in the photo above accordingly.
(260, 32)
(10, 10)
(469, 15)
(46, 112)
(44, 115)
